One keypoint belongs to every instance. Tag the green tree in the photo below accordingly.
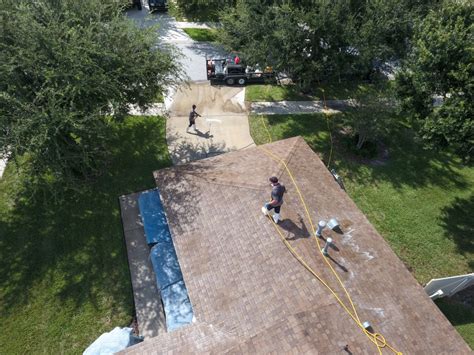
(315, 40)
(308, 43)
(66, 67)
(384, 27)
(372, 118)
(436, 84)
(203, 10)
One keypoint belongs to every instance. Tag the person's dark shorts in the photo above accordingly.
(270, 207)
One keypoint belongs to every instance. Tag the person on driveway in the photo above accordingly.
(192, 119)
(276, 199)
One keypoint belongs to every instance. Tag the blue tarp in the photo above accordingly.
(178, 308)
(153, 217)
(165, 264)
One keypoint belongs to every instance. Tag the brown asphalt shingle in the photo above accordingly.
(250, 295)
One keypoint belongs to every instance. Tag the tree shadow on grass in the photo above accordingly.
(457, 313)
(408, 164)
(458, 224)
(75, 246)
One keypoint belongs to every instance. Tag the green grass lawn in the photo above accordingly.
(202, 34)
(420, 201)
(328, 91)
(64, 273)
(274, 93)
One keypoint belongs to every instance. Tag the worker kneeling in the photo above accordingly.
(276, 199)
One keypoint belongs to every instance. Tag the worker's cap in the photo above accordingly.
(273, 179)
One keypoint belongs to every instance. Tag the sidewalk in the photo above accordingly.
(299, 107)
(224, 125)
(263, 107)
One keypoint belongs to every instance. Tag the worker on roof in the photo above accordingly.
(276, 199)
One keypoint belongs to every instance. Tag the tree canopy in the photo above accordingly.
(203, 10)
(320, 39)
(436, 84)
(66, 67)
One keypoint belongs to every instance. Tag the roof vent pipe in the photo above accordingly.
(333, 224)
(326, 247)
(321, 226)
(367, 326)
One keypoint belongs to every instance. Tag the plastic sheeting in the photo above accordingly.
(169, 278)
(178, 308)
(153, 217)
(110, 343)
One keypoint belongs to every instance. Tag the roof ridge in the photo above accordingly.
(298, 141)
(224, 183)
(290, 152)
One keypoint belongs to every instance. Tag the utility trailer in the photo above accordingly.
(225, 71)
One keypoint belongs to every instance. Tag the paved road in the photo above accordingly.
(169, 31)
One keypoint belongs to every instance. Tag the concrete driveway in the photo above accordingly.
(223, 126)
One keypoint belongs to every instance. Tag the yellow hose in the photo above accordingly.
(375, 338)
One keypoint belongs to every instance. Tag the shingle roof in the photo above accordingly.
(250, 294)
